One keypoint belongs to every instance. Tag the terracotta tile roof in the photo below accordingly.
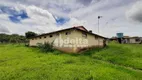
(81, 28)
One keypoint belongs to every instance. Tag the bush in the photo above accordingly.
(27, 44)
(46, 47)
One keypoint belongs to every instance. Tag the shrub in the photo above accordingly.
(27, 44)
(46, 47)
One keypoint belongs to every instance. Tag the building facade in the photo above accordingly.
(133, 40)
(70, 40)
(127, 40)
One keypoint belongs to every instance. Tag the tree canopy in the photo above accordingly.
(30, 34)
(16, 38)
(13, 38)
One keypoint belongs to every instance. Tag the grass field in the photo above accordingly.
(115, 62)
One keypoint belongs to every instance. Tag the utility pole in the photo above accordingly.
(99, 28)
(99, 23)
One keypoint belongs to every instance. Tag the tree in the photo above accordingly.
(30, 34)
(4, 38)
(13, 38)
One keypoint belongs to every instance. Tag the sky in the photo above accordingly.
(43, 16)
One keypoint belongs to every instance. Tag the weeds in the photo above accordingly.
(46, 47)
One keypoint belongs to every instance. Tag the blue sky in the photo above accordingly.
(19, 16)
(14, 16)
(61, 20)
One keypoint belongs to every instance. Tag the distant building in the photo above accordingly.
(113, 39)
(134, 40)
(73, 39)
(128, 39)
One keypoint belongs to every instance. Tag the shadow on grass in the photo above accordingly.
(91, 51)
(88, 52)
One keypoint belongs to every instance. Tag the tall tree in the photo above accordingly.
(30, 34)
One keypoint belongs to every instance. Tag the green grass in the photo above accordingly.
(18, 62)
(129, 55)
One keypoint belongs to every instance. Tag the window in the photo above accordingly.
(51, 36)
(44, 36)
(137, 39)
(39, 37)
(96, 37)
(67, 33)
(33, 39)
(57, 34)
(84, 35)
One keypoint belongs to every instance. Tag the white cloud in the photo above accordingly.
(3, 29)
(40, 20)
(80, 13)
(72, 23)
(135, 13)
(113, 12)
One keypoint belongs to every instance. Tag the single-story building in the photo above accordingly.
(133, 40)
(128, 40)
(73, 39)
